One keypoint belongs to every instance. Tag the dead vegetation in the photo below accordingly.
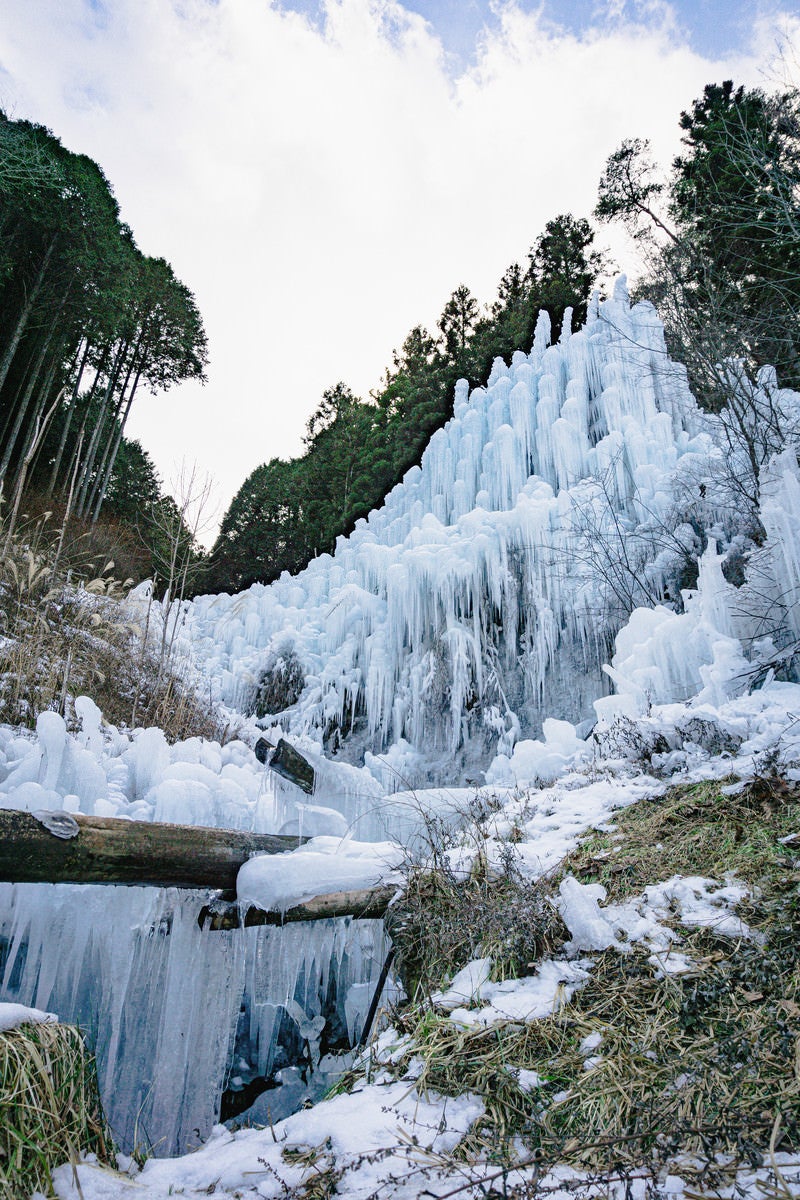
(704, 1063)
(49, 1107)
(66, 631)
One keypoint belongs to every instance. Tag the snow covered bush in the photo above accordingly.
(280, 684)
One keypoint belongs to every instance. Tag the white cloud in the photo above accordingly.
(323, 189)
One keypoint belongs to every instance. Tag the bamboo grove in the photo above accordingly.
(87, 321)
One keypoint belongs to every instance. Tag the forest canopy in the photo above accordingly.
(86, 322)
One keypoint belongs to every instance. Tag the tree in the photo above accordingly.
(338, 437)
(563, 268)
(721, 241)
(78, 300)
(457, 323)
(263, 532)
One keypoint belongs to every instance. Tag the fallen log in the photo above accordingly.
(61, 847)
(364, 904)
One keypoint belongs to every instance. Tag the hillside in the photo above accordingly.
(597, 905)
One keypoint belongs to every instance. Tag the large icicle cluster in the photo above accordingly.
(165, 1003)
(486, 592)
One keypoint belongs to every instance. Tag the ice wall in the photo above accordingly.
(486, 591)
(161, 1000)
(164, 1003)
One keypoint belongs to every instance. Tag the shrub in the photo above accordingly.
(281, 682)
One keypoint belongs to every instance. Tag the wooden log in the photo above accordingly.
(290, 764)
(364, 904)
(72, 848)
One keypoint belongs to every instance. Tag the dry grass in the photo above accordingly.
(49, 1107)
(695, 829)
(706, 1063)
(63, 635)
(442, 923)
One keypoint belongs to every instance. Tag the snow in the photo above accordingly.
(465, 986)
(14, 1015)
(689, 900)
(526, 999)
(380, 1136)
(276, 882)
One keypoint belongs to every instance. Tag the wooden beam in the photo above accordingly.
(365, 904)
(64, 847)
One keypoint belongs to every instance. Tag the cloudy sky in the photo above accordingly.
(323, 173)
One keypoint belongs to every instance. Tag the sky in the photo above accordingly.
(323, 173)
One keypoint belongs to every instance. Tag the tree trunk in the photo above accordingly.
(65, 431)
(111, 850)
(23, 407)
(103, 473)
(75, 456)
(31, 384)
(44, 391)
(22, 322)
(91, 453)
(364, 904)
(101, 495)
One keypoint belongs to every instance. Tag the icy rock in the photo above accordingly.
(60, 824)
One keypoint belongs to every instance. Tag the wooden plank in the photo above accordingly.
(364, 904)
(110, 850)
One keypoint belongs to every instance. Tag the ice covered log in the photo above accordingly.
(364, 904)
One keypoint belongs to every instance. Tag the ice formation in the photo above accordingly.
(486, 592)
(324, 864)
(167, 1004)
(460, 632)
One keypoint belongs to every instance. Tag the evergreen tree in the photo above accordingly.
(721, 233)
(84, 319)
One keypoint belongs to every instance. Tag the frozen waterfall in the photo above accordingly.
(566, 504)
(486, 592)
